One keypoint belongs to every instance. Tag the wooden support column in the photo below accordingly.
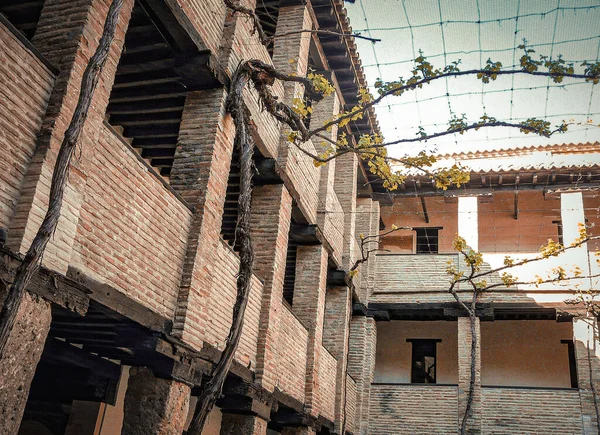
(474, 423)
(67, 35)
(361, 366)
(270, 220)
(338, 310)
(200, 173)
(154, 406)
(309, 307)
(20, 359)
(587, 359)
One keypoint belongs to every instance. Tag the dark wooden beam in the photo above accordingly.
(424, 207)
(516, 205)
(120, 302)
(48, 284)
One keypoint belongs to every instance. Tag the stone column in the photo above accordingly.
(271, 216)
(587, 358)
(242, 424)
(474, 422)
(300, 430)
(200, 174)
(338, 310)
(67, 35)
(154, 406)
(309, 307)
(21, 356)
(361, 366)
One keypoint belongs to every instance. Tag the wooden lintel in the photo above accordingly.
(48, 284)
(337, 278)
(304, 234)
(424, 207)
(120, 302)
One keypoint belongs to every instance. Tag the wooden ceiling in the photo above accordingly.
(23, 14)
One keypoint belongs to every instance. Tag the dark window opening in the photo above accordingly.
(572, 362)
(268, 12)
(559, 228)
(24, 15)
(146, 103)
(423, 370)
(427, 240)
(289, 281)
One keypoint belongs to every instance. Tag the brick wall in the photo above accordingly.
(350, 404)
(25, 86)
(361, 366)
(331, 221)
(514, 410)
(500, 232)
(326, 386)
(207, 17)
(409, 212)
(292, 347)
(221, 302)
(413, 409)
(128, 211)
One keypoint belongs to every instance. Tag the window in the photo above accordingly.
(423, 360)
(427, 240)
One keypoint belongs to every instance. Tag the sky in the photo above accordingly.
(473, 31)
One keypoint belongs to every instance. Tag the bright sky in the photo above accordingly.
(473, 31)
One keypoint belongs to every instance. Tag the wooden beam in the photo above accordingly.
(424, 207)
(47, 284)
(516, 205)
(120, 302)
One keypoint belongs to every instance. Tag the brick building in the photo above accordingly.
(537, 360)
(134, 300)
(133, 304)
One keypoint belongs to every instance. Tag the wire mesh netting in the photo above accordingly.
(474, 31)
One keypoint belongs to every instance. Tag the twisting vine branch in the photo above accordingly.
(31, 262)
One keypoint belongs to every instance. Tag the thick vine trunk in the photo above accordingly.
(31, 262)
(472, 319)
(211, 390)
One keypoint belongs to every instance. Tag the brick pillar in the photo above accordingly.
(154, 406)
(67, 35)
(290, 52)
(329, 216)
(361, 366)
(474, 423)
(367, 224)
(345, 186)
(299, 430)
(309, 307)
(338, 310)
(200, 173)
(587, 355)
(241, 424)
(21, 356)
(270, 220)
